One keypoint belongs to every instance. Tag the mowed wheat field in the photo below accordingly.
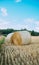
(35, 40)
(21, 55)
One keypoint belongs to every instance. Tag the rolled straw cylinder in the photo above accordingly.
(18, 38)
(21, 37)
(8, 38)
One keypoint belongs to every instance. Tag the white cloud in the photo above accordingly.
(37, 23)
(19, 26)
(28, 20)
(18, 1)
(4, 11)
(32, 24)
(36, 29)
(3, 24)
(7, 24)
(12, 24)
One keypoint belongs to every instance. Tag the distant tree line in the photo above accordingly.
(7, 31)
(33, 33)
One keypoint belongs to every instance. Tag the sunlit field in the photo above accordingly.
(35, 40)
(21, 55)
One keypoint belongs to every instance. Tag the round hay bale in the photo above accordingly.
(8, 38)
(16, 39)
(21, 37)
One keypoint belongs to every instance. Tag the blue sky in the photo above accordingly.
(19, 14)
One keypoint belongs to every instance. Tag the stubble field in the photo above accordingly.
(21, 55)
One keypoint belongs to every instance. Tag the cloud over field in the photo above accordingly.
(18, 1)
(4, 12)
(30, 24)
